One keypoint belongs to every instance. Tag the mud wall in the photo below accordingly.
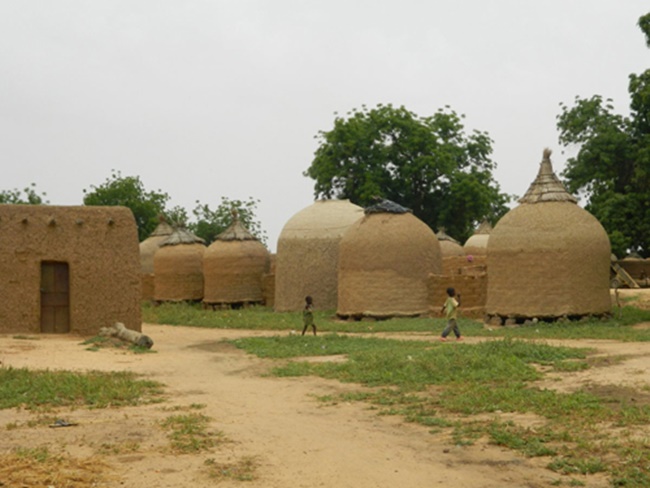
(100, 246)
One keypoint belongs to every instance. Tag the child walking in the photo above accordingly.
(308, 315)
(451, 308)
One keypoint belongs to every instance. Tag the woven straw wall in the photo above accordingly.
(384, 263)
(450, 248)
(308, 252)
(100, 245)
(178, 273)
(548, 260)
(476, 245)
(233, 271)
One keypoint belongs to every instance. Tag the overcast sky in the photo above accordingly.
(204, 99)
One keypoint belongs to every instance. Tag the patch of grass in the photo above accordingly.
(38, 389)
(189, 433)
(113, 449)
(242, 470)
(25, 337)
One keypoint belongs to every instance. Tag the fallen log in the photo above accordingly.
(121, 332)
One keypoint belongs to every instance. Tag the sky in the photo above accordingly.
(224, 98)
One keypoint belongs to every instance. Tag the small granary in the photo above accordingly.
(68, 269)
(448, 245)
(148, 248)
(547, 258)
(384, 263)
(233, 267)
(178, 268)
(308, 252)
(476, 245)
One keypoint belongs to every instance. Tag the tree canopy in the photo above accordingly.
(428, 164)
(611, 169)
(26, 196)
(210, 223)
(129, 191)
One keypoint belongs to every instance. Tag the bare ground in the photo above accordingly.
(274, 424)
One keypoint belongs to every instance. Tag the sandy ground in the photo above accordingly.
(293, 439)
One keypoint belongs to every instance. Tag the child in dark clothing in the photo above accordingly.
(308, 315)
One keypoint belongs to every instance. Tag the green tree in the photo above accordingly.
(210, 223)
(129, 191)
(611, 169)
(28, 196)
(428, 164)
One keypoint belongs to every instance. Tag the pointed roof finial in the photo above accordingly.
(547, 187)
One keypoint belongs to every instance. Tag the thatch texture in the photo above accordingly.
(178, 268)
(477, 244)
(233, 267)
(384, 263)
(548, 258)
(448, 245)
(637, 268)
(308, 252)
(148, 248)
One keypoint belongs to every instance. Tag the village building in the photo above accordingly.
(148, 248)
(233, 268)
(178, 268)
(307, 255)
(68, 269)
(547, 258)
(385, 260)
(477, 243)
(448, 245)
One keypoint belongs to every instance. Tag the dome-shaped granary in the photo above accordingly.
(448, 245)
(385, 259)
(477, 244)
(548, 258)
(307, 254)
(178, 268)
(233, 266)
(148, 248)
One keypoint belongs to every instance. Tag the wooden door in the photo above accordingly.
(55, 297)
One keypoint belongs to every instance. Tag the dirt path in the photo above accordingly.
(295, 440)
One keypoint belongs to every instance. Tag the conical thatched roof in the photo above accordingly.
(548, 257)
(233, 267)
(448, 245)
(181, 236)
(384, 263)
(477, 243)
(547, 187)
(236, 231)
(308, 252)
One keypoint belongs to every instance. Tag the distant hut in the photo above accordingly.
(308, 252)
(68, 269)
(233, 267)
(384, 263)
(448, 245)
(148, 248)
(547, 258)
(477, 244)
(178, 268)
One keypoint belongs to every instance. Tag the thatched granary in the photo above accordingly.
(148, 248)
(233, 267)
(448, 245)
(178, 268)
(68, 269)
(547, 258)
(308, 252)
(385, 259)
(477, 243)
